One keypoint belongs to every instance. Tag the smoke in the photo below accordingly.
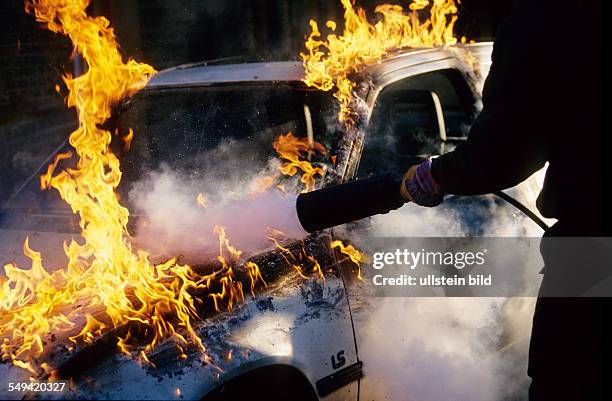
(436, 349)
(171, 222)
(457, 217)
(413, 220)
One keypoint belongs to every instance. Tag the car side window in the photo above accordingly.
(415, 118)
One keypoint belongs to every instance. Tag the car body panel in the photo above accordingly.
(276, 328)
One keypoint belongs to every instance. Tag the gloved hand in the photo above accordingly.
(418, 186)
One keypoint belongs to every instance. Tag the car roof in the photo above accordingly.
(415, 57)
(248, 72)
(201, 74)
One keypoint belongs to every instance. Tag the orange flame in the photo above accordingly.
(127, 140)
(292, 151)
(298, 262)
(201, 201)
(231, 290)
(92, 328)
(103, 270)
(262, 184)
(353, 253)
(316, 267)
(330, 62)
(254, 275)
(284, 252)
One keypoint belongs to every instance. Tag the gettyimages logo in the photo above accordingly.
(413, 259)
(490, 266)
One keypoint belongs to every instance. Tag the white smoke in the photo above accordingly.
(435, 349)
(414, 349)
(438, 349)
(171, 222)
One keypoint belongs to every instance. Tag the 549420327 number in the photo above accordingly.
(37, 386)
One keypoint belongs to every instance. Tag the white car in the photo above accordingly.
(296, 339)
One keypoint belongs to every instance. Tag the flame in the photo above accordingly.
(103, 270)
(353, 253)
(284, 252)
(127, 140)
(231, 290)
(254, 275)
(201, 201)
(92, 328)
(316, 267)
(122, 344)
(262, 184)
(144, 357)
(104, 273)
(330, 62)
(292, 150)
(298, 262)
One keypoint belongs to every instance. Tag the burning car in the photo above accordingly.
(294, 336)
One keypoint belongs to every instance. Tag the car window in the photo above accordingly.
(404, 125)
(222, 134)
(225, 131)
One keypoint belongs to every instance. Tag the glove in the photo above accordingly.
(418, 186)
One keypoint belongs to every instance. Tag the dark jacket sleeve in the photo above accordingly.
(507, 141)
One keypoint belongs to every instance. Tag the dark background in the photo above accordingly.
(33, 118)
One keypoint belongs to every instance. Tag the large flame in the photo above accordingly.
(103, 270)
(330, 62)
(104, 273)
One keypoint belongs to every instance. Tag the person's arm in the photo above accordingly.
(507, 141)
(522, 98)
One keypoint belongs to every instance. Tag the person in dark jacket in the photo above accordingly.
(542, 102)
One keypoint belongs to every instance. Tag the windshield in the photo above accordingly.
(220, 137)
(225, 132)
